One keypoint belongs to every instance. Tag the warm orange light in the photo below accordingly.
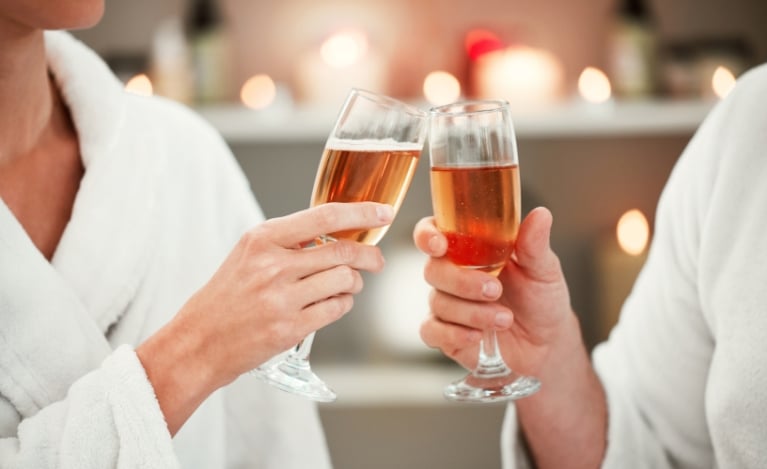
(344, 48)
(633, 232)
(140, 85)
(441, 87)
(594, 86)
(524, 76)
(258, 92)
(722, 81)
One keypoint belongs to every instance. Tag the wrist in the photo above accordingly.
(570, 410)
(178, 370)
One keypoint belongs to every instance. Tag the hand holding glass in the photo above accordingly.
(371, 155)
(475, 192)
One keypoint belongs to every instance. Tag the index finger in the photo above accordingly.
(428, 238)
(307, 225)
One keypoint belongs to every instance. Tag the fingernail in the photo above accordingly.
(434, 244)
(385, 212)
(491, 289)
(503, 320)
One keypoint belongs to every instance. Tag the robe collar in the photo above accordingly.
(106, 246)
(55, 315)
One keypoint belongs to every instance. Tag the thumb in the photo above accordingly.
(532, 251)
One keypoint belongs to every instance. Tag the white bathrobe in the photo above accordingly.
(161, 203)
(685, 369)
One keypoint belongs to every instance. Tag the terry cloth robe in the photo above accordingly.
(161, 203)
(685, 369)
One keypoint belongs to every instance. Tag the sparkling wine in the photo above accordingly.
(356, 171)
(478, 210)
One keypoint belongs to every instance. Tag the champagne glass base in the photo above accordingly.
(295, 376)
(506, 387)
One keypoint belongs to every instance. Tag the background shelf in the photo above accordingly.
(240, 125)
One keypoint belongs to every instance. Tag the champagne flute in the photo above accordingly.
(371, 155)
(475, 191)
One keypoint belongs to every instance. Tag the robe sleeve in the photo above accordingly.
(109, 418)
(654, 366)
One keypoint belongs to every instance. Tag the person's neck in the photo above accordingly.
(26, 97)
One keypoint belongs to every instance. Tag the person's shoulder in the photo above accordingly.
(740, 114)
(186, 140)
(170, 117)
(755, 77)
(751, 87)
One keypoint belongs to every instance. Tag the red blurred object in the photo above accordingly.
(479, 42)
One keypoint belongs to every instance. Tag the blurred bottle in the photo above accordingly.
(632, 52)
(170, 64)
(209, 52)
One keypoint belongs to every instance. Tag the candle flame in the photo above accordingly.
(140, 85)
(722, 81)
(633, 232)
(344, 48)
(522, 75)
(594, 86)
(258, 92)
(441, 87)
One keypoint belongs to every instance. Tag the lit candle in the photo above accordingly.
(619, 258)
(258, 92)
(343, 61)
(527, 77)
(722, 82)
(441, 87)
(594, 90)
(140, 85)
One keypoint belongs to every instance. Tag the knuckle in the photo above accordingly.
(250, 238)
(479, 318)
(358, 283)
(327, 217)
(464, 288)
(430, 272)
(339, 305)
(425, 331)
(347, 278)
(257, 234)
(433, 299)
(268, 266)
(345, 251)
(452, 352)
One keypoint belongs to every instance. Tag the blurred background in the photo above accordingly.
(605, 95)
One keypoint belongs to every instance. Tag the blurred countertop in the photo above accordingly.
(293, 124)
(390, 384)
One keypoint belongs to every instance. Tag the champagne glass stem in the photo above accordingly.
(300, 355)
(491, 364)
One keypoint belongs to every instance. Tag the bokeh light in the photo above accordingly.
(441, 87)
(344, 48)
(594, 86)
(722, 82)
(633, 232)
(258, 92)
(140, 85)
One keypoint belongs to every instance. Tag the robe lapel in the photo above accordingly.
(106, 246)
(54, 316)
(47, 338)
